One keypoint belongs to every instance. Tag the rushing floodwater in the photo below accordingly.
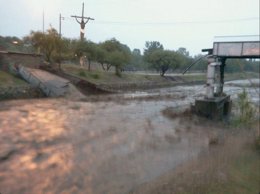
(187, 94)
(64, 146)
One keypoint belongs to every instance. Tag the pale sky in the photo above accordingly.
(175, 23)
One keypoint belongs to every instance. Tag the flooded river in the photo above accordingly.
(106, 146)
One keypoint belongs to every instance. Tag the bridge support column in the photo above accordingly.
(212, 66)
(215, 105)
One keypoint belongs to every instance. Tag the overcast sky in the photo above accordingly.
(175, 23)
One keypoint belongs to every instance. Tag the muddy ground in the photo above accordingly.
(109, 145)
(231, 164)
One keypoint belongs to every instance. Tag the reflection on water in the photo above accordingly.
(187, 94)
(62, 146)
(77, 147)
(31, 134)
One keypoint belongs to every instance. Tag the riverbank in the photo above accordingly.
(134, 81)
(13, 87)
(101, 82)
(231, 165)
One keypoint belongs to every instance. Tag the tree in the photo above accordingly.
(150, 47)
(102, 57)
(234, 65)
(62, 52)
(159, 59)
(163, 60)
(183, 51)
(185, 58)
(136, 62)
(46, 43)
(116, 59)
(136, 52)
(90, 52)
(85, 50)
(201, 64)
(117, 54)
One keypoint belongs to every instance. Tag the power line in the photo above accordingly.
(177, 22)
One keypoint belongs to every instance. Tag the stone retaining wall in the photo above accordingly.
(16, 58)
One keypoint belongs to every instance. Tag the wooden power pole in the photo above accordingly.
(60, 18)
(82, 22)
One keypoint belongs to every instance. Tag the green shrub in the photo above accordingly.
(257, 143)
(95, 76)
(82, 74)
(245, 108)
(245, 115)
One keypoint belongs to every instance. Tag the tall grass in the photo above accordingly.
(245, 111)
(246, 116)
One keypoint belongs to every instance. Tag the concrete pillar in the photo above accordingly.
(220, 76)
(218, 83)
(222, 71)
(211, 78)
(210, 81)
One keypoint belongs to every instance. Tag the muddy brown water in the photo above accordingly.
(66, 146)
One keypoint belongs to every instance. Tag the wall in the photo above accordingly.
(13, 58)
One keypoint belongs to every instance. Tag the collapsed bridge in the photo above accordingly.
(216, 104)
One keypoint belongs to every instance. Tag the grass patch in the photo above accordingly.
(237, 173)
(257, 143)
(194, 78)
(227, 168)
(100, 77)
(104, 77)
(7, 80)
(245, 115)
(244, 75)
(82, 74)
(244, 175)
(95, 76)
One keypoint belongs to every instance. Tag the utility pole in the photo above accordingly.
(59, 61)
(60, 18)
(82, 22)
(43, 21)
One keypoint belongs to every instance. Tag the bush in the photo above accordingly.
(246, 110)
(82, 74)
(95, 76)
(245, 115)
(257, 143)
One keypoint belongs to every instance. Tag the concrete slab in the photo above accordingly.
(215, 108)
(52, 85)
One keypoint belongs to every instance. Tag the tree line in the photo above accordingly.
(113, 53)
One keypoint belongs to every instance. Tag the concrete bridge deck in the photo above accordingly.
(52, 85)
